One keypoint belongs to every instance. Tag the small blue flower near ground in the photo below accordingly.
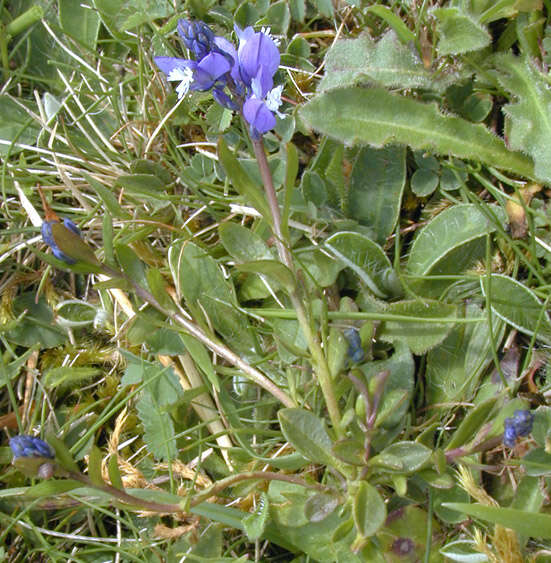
(355, 350)
(29, 446)
(520, 424)
(49, 239)
(241, 80)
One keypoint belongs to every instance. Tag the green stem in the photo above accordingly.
(24, 21)
(318, 357)
(215, 346)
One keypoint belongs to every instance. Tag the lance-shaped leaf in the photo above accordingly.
(529, 124)
(372, 116)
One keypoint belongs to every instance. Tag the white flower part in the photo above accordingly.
(268, 31)
(185, 76)
(273, 100)
(256, 88)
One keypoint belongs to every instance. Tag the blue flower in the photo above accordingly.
(48, 238)
(246, 73)
(519, 425)
(29, 446)
(355, 351)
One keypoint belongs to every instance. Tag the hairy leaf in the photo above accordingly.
(376, 117)
(386, 62)
(529, 124)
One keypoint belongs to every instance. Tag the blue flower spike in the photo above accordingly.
(33, 456)
(241, 79)
(29, 446)
(520, 424)
(63, 237)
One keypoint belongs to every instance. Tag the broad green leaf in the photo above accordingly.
(367, 260)
(16, 126)
(37, 326)
(410, 456)
(148, 185)
(320, 506)
(463, 551)
(518, 306)
(376, 186)
(255, 523)
(459, 32)
(537, 463)
(273, 270)
(308, 435)
(372, 116)
(424, 182)
(454, 367)
(318, 267)
(241, 181)
(419, 336)
(75, 313)
(400, 381)
(386, 62)
(529, 118)
(80, 22)
(529, 524)
(369, 509)
(200, 281)
(448, 231)
(242, 244)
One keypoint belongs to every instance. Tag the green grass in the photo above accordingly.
(220, 365)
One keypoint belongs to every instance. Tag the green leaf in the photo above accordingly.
(308, 435)
(52, 488)
(529, 119)
(419, 336)
(16, 126)
(201, 282)
(37, 326)
(529, 524)
(472, 423)
(459, 32)
(241, 181)
(518, 306)
(114, 472)
(367, 260)
(376, 117)
(255, 523)
(387, 62)
(80, 22)
(409, 457)
(397, 24)
(320, 506)
(158, 427)
(242, 244)
(201, 357)
(369, 510)
(107, 197)
(376, 203)
(424, 182)
(62, 454)
(448, 231)
(75, 313)
(68, 376)
(94, 466)
(273, 270)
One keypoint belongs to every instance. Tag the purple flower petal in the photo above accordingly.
(258, 116)
(223, 99)
(255, 52)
